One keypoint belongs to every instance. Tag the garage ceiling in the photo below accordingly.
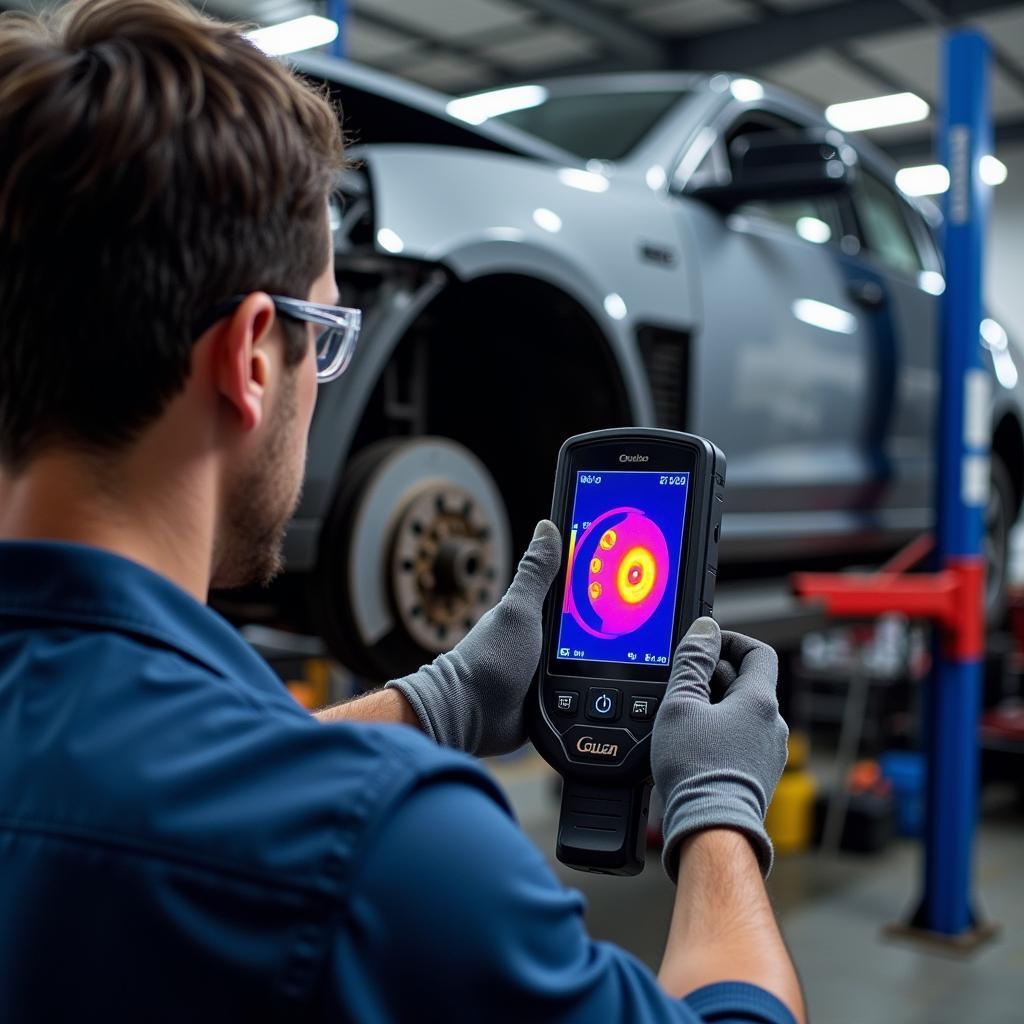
(827, 50)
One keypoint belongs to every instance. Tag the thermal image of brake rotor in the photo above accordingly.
(619, 573)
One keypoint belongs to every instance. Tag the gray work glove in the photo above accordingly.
(473, 698)
(719, 742)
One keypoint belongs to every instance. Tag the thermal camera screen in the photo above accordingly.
(625, 549)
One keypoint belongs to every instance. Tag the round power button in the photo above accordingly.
(602, 704)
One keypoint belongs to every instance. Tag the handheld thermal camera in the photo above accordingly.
(640, 512)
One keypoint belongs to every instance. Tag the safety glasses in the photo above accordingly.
(336, 337)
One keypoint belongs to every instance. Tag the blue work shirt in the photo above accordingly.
(180, 841)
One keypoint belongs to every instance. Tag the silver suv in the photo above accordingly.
(702, 252)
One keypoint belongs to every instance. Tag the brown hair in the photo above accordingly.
(153, 163)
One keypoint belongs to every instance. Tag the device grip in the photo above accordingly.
(603, 828)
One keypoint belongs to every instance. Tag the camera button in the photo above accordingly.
(643, 708)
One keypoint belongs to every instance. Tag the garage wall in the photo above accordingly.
(1005, 266)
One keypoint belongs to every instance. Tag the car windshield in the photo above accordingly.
(601, 126)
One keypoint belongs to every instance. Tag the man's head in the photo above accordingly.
(153, 164)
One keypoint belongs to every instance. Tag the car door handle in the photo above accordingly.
(866, 293)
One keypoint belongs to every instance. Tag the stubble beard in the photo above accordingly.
(260, 504)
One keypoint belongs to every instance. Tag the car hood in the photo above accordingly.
(378, 107)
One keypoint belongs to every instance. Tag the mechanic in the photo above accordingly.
(178, 839)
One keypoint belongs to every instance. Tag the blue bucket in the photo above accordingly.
(905, 769)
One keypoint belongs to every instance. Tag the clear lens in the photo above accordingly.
(327, 342)
(334, 348)
(335, 342)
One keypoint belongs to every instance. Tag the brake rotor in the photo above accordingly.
(427, 550)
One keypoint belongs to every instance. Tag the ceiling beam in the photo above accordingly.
(428, 44)
(796, 32)
(616, 34)
(892, 80)
(931, 14)
(1008, 132)
(888, 79)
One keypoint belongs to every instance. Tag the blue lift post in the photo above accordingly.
(337, 10)
(953, 595)
(953, 700)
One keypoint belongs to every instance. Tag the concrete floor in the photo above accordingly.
(833, 910)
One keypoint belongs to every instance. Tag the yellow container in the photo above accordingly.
(799, 749)
(790, 818)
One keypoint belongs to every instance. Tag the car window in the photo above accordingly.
(883, 225)
(604, 126)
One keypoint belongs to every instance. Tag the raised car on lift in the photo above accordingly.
(701, 252)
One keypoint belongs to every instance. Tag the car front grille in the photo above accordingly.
(666, 357)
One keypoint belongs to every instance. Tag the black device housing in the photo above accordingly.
(606, 768)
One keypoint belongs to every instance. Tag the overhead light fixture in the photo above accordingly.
(298, 34)
(926, 180)
(992, 170)
(933, 179)
(482, 106)
(877, 112)
(746, 90)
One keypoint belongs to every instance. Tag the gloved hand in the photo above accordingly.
(473, 698)
(717, 764)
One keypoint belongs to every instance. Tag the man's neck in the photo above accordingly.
(134, 506)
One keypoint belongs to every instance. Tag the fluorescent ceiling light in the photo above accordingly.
(484, 105)
(877, 112)
(926, 180)
(292, 36)
(933, 179)
(746, 90)
(825, 316)
(993, 171)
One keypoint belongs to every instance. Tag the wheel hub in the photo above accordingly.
(443, 566)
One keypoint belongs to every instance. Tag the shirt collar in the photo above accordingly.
(72, 584)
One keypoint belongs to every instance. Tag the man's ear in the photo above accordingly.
(241, 365)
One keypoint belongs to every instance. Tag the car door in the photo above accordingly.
(895, 271)
(782, 365)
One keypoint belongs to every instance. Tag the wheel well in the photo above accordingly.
(508, 366)
(1008, 444)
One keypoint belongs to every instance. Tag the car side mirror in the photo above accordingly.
(773, 165)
